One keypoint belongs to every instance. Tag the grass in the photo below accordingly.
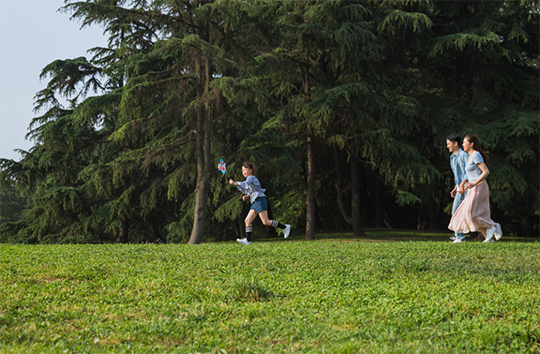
(335, 295)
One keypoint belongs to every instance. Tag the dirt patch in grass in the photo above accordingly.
(50, 280)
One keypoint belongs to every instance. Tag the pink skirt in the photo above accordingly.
(473, 214)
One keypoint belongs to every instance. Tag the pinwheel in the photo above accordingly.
(222, 166)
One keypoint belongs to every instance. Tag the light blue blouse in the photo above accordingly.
(473, 171)
(252, 187)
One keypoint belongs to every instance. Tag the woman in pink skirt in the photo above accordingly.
(474, 214)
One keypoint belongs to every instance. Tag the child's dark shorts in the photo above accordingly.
(260, 204)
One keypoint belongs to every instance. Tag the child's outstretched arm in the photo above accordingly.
(461, 189)
(241, 186)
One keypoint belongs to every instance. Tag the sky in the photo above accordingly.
(32, 35)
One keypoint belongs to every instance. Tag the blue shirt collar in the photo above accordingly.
(459, 152)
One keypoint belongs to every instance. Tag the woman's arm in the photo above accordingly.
(485, 173)
(462, 187)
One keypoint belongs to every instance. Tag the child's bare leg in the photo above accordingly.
(274, 223)
(250, 217)
(249, 221)
(264, 218)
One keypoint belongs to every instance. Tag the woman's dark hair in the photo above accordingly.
(455, 138)
(476, 146)
(249, 165)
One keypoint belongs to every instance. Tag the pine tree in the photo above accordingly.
(346, 94)
(170, 104)
(326, 97)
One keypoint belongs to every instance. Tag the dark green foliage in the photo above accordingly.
(12, 206)
(484, 67)
(343, 106)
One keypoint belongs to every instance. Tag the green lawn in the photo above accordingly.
(335, 295)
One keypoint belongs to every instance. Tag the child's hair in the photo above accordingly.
(476, 146)
(455, 138)
(249, 165)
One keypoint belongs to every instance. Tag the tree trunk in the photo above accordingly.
(356, 215)
(421, 223)
(529, 232)
(440, 214)
(310, 193)
(204, 137)
(375, 194)
(355, 218)
(202, 185)
(157, 234)
(339, 187)
(124, 232)
(380, 204)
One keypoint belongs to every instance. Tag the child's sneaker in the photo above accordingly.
(243, 241)
(287, 230)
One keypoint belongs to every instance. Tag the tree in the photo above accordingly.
(481, 79)
(366, 87)
(329, 76)
(171, 102)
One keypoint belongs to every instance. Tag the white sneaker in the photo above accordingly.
(489, 241)
(458, 240)
(243, 241)
(452, 238)
(498, 232)
(490, 233)
(287, 230)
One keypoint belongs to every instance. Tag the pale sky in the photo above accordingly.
(32, 35)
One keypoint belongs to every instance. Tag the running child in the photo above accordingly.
(251, 188)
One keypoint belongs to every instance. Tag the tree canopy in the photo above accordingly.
(343, 106)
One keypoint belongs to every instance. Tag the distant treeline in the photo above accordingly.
(343, 106)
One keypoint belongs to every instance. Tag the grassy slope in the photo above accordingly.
(342, 295)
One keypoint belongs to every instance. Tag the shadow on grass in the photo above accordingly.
(393, 235)
(252, 291)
